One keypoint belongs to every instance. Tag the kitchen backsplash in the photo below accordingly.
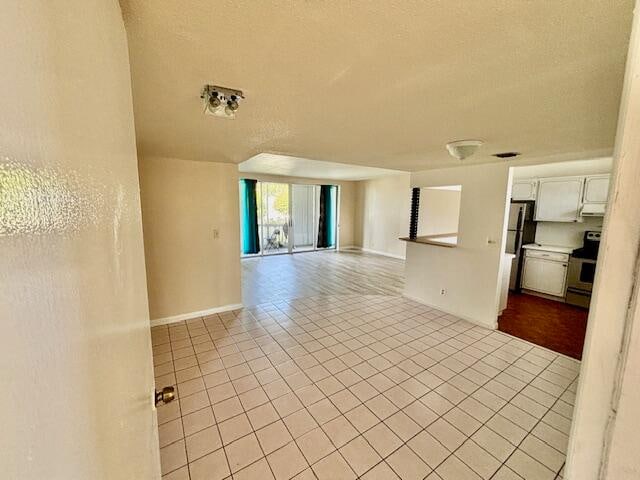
(565, 234)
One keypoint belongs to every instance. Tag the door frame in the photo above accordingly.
(604, 426)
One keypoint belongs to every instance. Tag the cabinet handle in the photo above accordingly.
(564, 265)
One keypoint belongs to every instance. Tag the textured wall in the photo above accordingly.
(469, 273)
(383, 214)
(75, 348)
(183, 202)
(604, 434)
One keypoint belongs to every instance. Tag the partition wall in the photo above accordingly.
(280, 218)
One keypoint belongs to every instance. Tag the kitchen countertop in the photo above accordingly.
(450, 241)
(549, 248)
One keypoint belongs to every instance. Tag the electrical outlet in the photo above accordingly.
(216, 233)
(443, 291)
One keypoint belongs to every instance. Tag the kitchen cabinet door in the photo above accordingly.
(559, 199)
(596, 189)
(523, 190)
(545, 276)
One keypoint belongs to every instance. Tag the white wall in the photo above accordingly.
(383, 209)
(566, 234)
(589, 166)
(621, 453)
(469, 272)
(605, 434)
(75, 350)
(189, 270)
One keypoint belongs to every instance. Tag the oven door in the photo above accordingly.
(581, 273)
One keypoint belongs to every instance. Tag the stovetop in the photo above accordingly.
(590, 246)
(583, 252)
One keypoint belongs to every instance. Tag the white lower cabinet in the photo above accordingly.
(545, 275)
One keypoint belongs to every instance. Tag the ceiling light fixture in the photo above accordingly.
(214, 100)
(462, 149)
(221, 101)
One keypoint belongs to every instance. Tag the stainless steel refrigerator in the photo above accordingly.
(521, 230)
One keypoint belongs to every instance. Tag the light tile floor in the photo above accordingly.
(358, 386)
(308, 274)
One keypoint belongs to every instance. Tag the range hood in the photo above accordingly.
(593, 210)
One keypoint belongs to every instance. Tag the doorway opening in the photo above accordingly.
(553, 229)
(284, 218)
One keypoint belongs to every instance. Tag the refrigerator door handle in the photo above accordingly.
(521, 217)
(518, 241)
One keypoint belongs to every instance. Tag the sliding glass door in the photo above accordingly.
(287, 218)
(274, 224)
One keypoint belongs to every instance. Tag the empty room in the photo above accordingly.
(320, 240)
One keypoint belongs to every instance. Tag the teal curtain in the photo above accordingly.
(328, 216)
(249, 216)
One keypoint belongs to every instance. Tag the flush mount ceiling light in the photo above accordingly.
(221, 101)
(462, 149)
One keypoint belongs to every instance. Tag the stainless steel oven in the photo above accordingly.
(580, 277)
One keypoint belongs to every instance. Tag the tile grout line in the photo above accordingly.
(533, 428)
(395, 382)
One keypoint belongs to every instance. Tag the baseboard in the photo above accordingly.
(384, 254)
(188, 316)
(350, 247)
(462, 317)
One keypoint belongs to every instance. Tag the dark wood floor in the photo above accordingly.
(554, 325)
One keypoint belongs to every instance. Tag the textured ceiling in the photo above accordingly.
(382, 83)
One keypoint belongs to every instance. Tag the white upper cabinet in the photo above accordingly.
(559, 199)
(596, 188)
(524, 189)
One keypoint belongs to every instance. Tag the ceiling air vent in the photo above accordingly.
(506, 154)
